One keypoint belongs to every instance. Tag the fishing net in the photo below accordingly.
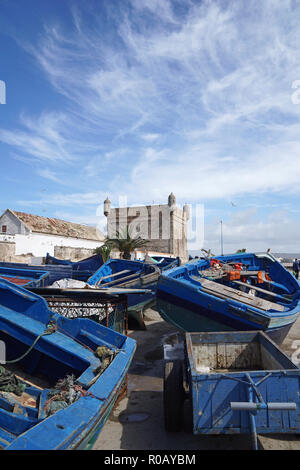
(10, 383)
(106, 356)
(67, 391)
(62, 395)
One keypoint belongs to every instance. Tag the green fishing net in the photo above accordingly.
(10, 383)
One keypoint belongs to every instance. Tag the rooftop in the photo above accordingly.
(47, 225)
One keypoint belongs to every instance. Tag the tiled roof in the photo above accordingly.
(37, 223)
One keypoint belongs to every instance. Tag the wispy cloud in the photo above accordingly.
(49, 174)
(40, 139)
(191, 97)
(71, 199)
(150, 137)
(202, 76)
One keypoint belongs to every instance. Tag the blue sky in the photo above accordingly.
(144, 97)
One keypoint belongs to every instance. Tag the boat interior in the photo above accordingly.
(122, 273)
(22, 277)
(258, 281)
(67, 350)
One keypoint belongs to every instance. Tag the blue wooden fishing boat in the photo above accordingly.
(129, 274)
(92, 263)
(56, 272)
(25, 277)
(234, 292)
(134, 274)
(230, 383)
(52, 260)
(61, 269)
(81, 270)
(60, 377)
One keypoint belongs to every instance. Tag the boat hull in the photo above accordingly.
(91, 433)
(136, 312)
(192, 317)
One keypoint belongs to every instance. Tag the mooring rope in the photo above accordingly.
(51, 328)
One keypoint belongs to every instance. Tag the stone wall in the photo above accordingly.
(73, 254)
(8, 249)
(7, 254)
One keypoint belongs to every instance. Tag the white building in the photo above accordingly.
(35, 235)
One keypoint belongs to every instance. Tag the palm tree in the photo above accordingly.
(104, 251)
(125, 243)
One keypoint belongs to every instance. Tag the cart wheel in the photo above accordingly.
(173, 396)
(188, 416)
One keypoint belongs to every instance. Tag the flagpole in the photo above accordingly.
(222, 251)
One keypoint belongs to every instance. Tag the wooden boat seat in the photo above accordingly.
(263, 291)
(109, 276)
(132, 279)
(121, 280)
(145, 279)
(114, 274)
(225, 292)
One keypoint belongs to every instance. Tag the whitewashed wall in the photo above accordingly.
(13, 224)
(39, 244)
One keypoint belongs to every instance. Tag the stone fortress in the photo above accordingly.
(162, 225)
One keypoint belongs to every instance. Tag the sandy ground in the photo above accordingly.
(137, 421)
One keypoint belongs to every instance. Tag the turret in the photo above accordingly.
(171, 200)
(186, 211)
(107, 205)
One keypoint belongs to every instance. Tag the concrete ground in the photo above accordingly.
(137, 422)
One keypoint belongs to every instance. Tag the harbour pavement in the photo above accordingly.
(137, 421)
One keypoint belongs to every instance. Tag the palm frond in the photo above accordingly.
(124, 242)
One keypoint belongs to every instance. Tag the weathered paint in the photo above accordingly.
(23, 317)
(211, 393)
(182, 301)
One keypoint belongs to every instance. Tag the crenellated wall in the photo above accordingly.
(163, 226)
